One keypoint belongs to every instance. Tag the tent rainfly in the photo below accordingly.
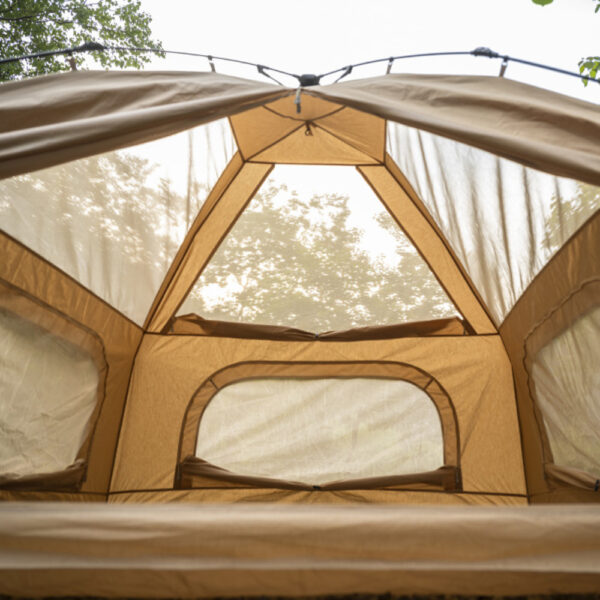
(339, 300)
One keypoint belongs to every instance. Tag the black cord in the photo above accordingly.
(94, 46)
(303, 80)
(486, 52)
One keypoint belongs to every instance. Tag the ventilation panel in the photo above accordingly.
(316, 250)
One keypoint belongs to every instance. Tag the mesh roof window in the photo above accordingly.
(315, 249)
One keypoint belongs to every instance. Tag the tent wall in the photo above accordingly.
(55, 119)
(120, 338)
(561, 293)
(169, 370)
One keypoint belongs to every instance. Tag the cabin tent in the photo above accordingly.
(181, 323)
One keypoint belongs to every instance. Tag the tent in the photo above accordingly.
(182, 324)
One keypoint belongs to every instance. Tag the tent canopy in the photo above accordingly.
(194, 244)
(382, 291)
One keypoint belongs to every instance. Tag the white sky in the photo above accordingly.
(321, 35)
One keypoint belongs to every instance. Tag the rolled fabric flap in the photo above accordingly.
(572, 477)
(446, 478)
(69, 479)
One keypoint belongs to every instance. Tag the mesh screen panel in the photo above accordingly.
(321, 430)
(315, 249)
(115, 221)
(504, 221)
(567, 384)
(48, 392)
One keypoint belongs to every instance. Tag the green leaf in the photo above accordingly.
(542, 2)
(38, 25)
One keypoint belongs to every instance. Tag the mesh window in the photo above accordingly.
(315, 249)
(321, 430)
(115, 221)
(48, 392)
(567, 385)
(504, 221)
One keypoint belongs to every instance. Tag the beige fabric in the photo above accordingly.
(230, 495)
(302, 370)
(264, 127)
(575, 264)
(321, 430)
(115, 221)
(312, 145)
(21, 268)
(49, 120)
(504, 221)
(567, 387)
(170, 369)
(48, 392)
(532, 126)
(266, 550)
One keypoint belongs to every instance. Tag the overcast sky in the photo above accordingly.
(321, 35)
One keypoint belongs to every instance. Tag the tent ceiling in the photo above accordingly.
(276, 132)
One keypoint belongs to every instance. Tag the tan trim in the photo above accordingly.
(229, 174)
(193, 471)
(427, 239)
(203, 242)
(284, 116)
(364, 369)
(275, 141)
(574, 265)
(13, 247)
(49, 319)
(195, 325)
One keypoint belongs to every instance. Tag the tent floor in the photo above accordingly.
(241, 550)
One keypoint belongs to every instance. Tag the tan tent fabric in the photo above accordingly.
(416, 427)
(53, 380)
(195, 325)
(229, 495)
(170, 369)
(564, 380)
(311, 145)
(120, 338)
(264, 127)
(532, 126)
(493, 183)
(571, 267)
(266, 550)
(57, 118)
